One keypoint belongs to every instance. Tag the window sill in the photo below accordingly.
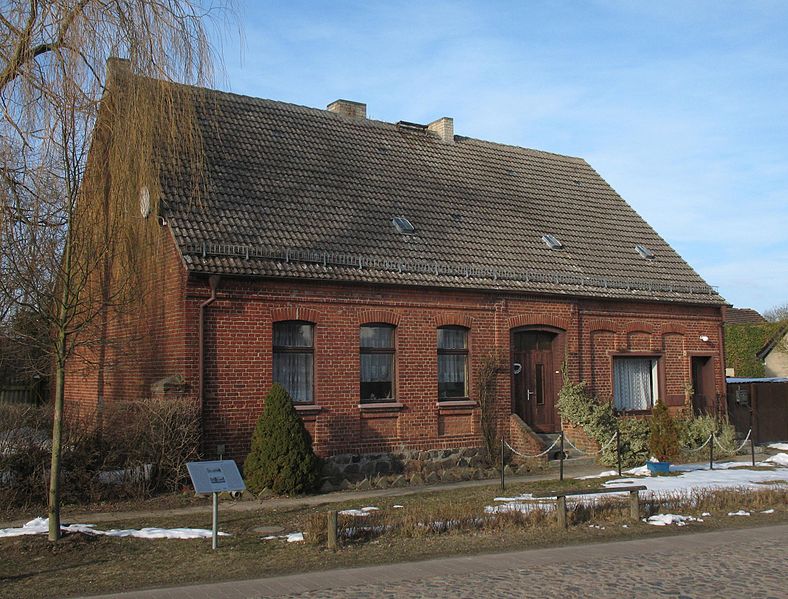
(388, 406)
(633, 412)
(458, 403)
(307, 409)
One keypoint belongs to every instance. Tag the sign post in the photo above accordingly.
(215, 477)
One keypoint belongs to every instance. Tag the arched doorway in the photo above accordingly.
(536, 361)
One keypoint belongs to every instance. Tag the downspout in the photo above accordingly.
(213, 281)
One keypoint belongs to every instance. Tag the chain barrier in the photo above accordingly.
(738, 449)
(702, 446)
(538, 455)
(600, 450)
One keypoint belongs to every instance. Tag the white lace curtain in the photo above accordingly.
(632, 383)
(294, 372)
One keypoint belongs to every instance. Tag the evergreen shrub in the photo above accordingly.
(597, 418)
(664, 438)
(281, 458)
(694, 431)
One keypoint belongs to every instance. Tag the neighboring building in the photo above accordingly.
(743, 316)
(775, 354)
(370, 266)
(752, 345)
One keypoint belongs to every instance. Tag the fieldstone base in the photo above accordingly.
(400, 469)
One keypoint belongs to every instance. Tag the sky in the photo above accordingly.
(681, 106)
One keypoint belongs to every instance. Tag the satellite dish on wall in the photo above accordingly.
(144, 202)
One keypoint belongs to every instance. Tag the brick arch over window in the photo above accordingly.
(675, 328)
(637, 327)
(295, 313)
(449, 319)
(381, 316)
(601, 324)
(522, 320)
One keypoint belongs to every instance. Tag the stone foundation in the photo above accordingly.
(400, 469)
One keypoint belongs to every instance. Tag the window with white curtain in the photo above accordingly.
(634, 383)
(377, 362)
(294, 359)
(452, 363)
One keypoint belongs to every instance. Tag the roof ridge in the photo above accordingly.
(355, 121)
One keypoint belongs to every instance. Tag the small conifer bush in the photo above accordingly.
(281, 458)
(664, 438)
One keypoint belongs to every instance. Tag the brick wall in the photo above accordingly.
(132, 345)
(162, 340)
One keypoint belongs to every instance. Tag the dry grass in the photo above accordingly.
(80, 565)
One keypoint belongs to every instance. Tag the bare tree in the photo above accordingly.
(777, 313)
(79, 143)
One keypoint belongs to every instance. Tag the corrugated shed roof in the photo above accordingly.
(299, 192)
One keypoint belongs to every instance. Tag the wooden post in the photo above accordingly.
(503, 480)
(561, 464)
(332, 530)
(618, 448)
(711, 452)
(634, 506)
(561, 511)
(752, 449)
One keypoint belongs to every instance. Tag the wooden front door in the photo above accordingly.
(533, 371)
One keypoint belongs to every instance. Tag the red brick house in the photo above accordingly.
(369, 266)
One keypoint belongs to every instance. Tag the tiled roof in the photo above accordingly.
(306, 193)
(743, 316)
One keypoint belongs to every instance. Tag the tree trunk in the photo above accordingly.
(63, 312)
(57, 437)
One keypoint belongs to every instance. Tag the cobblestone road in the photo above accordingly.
(737, 564)
(756, 569)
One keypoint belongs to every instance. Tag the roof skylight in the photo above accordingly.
(552, 242)
(403, 225)
(644, 251)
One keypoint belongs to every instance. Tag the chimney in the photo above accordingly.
(443, 128)
(118, 65)
(353, 110)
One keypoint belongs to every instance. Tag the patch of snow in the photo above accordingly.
(739, 513)
(624, 526)
(518, 506)
(639, 471)
(771, 511)
(41, 526)
(689, 478)
(397, 506)
(666, 519)
(780, 446)
(706, 514)
(364, 511)
(600, 475)
(781, 459)
(291, 537)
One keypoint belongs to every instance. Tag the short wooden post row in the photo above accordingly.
(332, 530)
(561, 510)
(634, 506)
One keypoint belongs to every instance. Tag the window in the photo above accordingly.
(377, 363)
(552, 242)
(644, 251)
(403, 225)
(294, 359)
(634, 383)
(452, 363)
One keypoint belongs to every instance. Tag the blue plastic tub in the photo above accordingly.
(658, 467)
